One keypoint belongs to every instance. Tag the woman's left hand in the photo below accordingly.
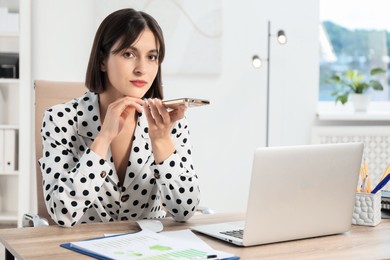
(160, 122)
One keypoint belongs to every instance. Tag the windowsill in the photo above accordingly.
(329, 111)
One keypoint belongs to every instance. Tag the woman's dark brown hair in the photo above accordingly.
(125, 25)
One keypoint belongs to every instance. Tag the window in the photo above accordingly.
(354, 34)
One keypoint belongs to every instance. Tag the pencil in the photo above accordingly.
(386, 172)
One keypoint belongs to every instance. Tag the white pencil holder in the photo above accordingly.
(367, 211)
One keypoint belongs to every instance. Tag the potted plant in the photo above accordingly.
(356, 83)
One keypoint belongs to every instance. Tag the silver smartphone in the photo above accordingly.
(188, 102)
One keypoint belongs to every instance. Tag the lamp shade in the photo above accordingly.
(256, 61)
(282, 39)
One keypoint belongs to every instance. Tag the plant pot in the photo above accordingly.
(360, 102)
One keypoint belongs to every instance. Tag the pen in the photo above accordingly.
(215, 257)
(381, 184)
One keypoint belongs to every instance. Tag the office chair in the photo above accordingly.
(47, 94)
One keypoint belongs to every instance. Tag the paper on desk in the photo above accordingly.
(189, 237)
(184, 235)
(148, 245)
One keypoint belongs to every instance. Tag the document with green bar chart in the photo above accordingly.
(145, 245)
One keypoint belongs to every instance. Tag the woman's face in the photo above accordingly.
(131, 72)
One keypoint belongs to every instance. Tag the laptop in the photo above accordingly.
(296, 192)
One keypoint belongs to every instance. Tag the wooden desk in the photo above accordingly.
(360, 243)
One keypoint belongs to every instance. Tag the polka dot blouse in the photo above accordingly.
(80, 187)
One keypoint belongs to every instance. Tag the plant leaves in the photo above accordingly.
(335, 93)
(353, 81)
(335, 78)
(361, 87)
(351, 74)
(376, 85)
(342, 98)
(352, 86)
(375, 71)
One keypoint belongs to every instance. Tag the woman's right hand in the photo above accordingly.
(116, 114)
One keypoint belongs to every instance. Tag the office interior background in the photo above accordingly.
(210, 50)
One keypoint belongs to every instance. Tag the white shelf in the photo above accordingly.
(9, 126)
(9, 34)
(8, 216)
(8, 81)
(377, 111)
(13, 173)
(352, 116)
(16, 113)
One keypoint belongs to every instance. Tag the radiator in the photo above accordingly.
(376, 141)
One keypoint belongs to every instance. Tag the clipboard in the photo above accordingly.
(96, 250)
(85, 252)
(96, 256)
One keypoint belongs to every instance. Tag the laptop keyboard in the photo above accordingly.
(234, 233)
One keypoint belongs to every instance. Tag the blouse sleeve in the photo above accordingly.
(72, 174)
(176, 176)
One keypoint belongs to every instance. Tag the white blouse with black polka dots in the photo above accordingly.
(80, 187)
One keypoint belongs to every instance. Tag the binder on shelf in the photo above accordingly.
(3, 18)
(2, 150)
(2, 109)
(9, 150)
(9, 65)
(9, 22)
(12, 23)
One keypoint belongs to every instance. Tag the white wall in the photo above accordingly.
(62, 35)
(226, 133)
(294, 71)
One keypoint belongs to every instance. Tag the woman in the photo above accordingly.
(117, 153)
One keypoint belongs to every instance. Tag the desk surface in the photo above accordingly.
(360, 242)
